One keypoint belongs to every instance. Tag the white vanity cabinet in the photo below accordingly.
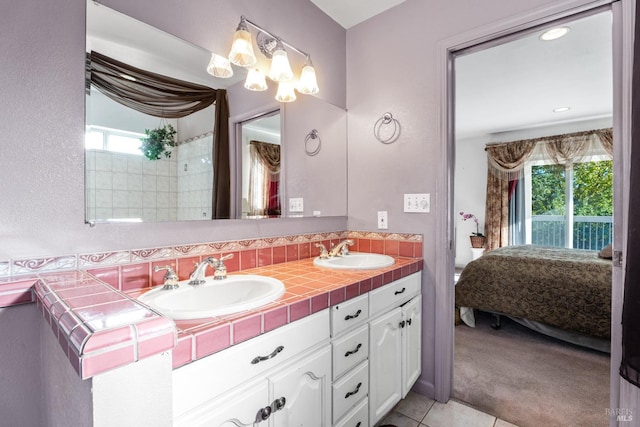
(394, 343)
(277, 379)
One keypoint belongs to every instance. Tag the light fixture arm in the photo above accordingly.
(270, 34)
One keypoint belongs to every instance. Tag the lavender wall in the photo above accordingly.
(42, 123)
(391, 66)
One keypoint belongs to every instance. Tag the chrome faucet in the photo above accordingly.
(170, 278)
(341, 248)
(221, 270)
(197, 276)
(323, 251)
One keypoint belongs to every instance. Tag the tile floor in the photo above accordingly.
(420, 411)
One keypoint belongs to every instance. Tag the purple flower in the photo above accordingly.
(466, 216)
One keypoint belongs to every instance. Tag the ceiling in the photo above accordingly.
(352, 12)
(517, 85)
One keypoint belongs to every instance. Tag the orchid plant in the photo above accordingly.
(466, 216)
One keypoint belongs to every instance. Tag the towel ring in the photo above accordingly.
(386, 119)
(313, 135)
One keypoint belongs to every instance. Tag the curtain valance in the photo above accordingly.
(147, 92)
(508, 159)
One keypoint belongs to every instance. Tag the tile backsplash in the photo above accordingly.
(125, 268)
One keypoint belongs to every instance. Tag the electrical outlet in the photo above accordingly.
(417, 203)
(296, 204)
(383, 220)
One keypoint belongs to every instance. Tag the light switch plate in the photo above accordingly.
(417, 203)
(296, 204)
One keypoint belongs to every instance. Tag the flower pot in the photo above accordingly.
(477, 241)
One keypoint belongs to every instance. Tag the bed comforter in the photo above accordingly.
(566, 288)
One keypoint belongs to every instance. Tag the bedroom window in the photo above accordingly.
(570, 205)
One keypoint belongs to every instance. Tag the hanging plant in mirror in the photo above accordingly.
(157, 142)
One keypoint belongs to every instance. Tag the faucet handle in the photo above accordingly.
(170, 277)
(226, 257)
(323, 250)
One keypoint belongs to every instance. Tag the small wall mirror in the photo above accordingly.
(261, 158)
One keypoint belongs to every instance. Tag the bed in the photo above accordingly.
(561, 292)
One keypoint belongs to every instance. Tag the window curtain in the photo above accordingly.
(506, 163)
(166, 97)
(630, 366)
(264, 179)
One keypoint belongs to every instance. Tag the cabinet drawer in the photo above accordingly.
(349, 314)
(202, 380)
(350, 389)
(394, 294)
(350, 350)
(357, 417)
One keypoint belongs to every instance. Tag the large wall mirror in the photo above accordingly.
(121, 184)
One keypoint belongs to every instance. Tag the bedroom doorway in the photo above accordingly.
(523, 87)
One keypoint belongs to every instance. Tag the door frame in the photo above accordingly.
(623, 12)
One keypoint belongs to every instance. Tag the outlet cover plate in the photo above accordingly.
(383, 220)
(296, 204)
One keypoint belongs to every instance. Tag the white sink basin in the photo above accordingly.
(356, 261)
(214, 297)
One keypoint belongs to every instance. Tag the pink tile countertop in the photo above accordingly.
(101, 328)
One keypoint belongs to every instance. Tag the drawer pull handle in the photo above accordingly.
(351, 393)
(350, 316)
(359, 423)
(400, 291)
(278, 404)
(408, 322)
(355, 350)
(402, 323)
(274, 353)
(263, 414)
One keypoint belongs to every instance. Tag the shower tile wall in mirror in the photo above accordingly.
(123, 185)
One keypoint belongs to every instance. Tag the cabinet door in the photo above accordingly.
(301, 393)
(385, 362)
(412, 343)
(248, 405)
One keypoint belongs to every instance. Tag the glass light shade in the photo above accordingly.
(219, 66)
(285, 92)
(280, 67)
(308, 84)
(255, 80)
(242, 49)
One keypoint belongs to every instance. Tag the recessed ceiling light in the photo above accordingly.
(554, 33)
(561, 109)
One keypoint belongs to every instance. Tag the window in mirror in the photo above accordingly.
(261, 166)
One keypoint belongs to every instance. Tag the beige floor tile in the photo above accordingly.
(414, 406)
(503, 423)
(454, 414)
(397, 419)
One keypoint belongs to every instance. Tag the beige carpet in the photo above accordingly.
(529, 379)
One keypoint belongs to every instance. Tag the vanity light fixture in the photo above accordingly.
(280, 67)
(219, 66)
(242, 47)
(274, 48)
(285, 92)
(255, 80)
(561, 109)
(308, 84)
(554, 33)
